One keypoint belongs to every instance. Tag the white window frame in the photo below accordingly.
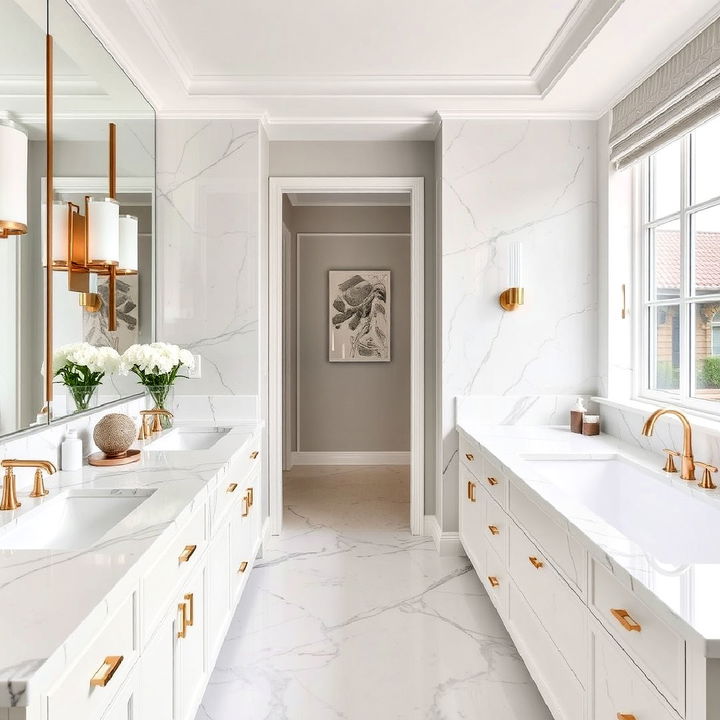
(642, 273)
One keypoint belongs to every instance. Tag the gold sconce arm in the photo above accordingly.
(512, 298)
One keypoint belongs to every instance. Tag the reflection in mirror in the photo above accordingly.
(22, 167)
(103, 215)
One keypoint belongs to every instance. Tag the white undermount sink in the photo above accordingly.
(72, 520)
(667, 523)
(188, 438)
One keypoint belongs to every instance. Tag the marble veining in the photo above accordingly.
(521, 180)
(349, 616)
(682, 589)
(207, 222)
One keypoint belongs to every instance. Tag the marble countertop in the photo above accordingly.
(683, 588)
(52, 601)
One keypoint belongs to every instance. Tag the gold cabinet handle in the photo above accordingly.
(104, 674)
(251, 496)
(537, 564)
(182, 609)
(254, 454)
(493, 581)
(187, 553)
(472, 492)
(191, 609)
(492, 481)
(470, 456)
(232, 487)
(624, 716)
(245, 506)
(493, 529)
(468, 489)
(625, 619)
(243, 566)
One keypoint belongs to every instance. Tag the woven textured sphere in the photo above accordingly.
(114, 434)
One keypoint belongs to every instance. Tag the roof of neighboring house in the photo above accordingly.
(707, 260)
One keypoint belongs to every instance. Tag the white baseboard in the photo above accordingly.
(351, 458)
(446, 543)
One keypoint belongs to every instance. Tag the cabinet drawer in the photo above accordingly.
(175, 565)
(470, 455)
(558, 685)
(88, 688)
(620, 690)
(495, 528)
(656, 648)
(496, 580)
(553, 539)
(557, 607)
(227, 492)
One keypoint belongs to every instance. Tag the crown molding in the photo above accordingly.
(518, 115)
(583, 23)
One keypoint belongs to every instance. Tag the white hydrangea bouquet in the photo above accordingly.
(82, 367)
(157, 366)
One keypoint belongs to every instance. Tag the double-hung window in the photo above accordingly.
(679, 261)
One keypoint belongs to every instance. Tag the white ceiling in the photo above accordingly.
(325, 69)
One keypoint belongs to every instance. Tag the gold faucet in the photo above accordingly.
(9, 495)
(145, 429)
(687, 471)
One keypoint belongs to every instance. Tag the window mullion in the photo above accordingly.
(686, 364)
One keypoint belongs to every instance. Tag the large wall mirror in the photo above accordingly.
(90, 225)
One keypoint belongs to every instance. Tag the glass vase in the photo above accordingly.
(81, 397)
(162, 397)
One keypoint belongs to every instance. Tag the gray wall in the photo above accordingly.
(352, 406)
(375, 411)
(391, 159)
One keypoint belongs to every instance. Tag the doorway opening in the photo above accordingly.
(345, 350)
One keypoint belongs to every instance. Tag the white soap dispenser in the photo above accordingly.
(71, 452)
(576, 416)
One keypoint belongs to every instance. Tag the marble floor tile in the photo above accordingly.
(347, 616)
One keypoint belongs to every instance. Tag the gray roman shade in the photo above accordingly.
(676, 98)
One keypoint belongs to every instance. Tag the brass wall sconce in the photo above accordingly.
(98, 242)
(512, 298)
(13, 178)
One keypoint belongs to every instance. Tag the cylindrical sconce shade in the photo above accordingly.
(128, 242)
(103, 231)
(515, 273)
(13, 179)
(60, 231)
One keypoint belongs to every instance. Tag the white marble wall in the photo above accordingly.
(208, 184)
(507, 180)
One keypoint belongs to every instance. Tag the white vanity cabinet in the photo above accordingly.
(152, 657)
(594, 648)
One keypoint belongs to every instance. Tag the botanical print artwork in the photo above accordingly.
(359, 315)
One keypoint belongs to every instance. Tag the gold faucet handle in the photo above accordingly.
(707, 482)
(39, 489)
(670, 464)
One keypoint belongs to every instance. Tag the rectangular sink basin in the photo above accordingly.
(188, 438)
(72, 520)
(670, 525)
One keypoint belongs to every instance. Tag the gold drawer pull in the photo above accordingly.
(471, 492)
(254, 454)
(470, 456)
(182, 609)
(493, 581)
(625, 619)
(245, 506)
(537, 564)
(187, 553)
(623, 716)
(104, 675)
(232, 487)
(243, 566)
(251, 496)
(493, 529)
(191, 609)
(492, 481)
